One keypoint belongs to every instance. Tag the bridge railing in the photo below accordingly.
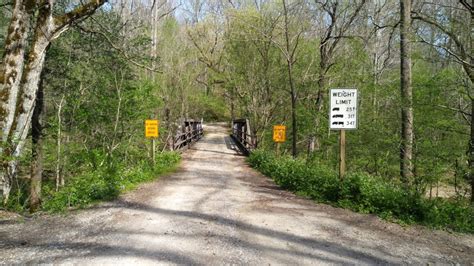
(242, 134)
(190, 132)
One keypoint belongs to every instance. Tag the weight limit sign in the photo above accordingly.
(343, 109)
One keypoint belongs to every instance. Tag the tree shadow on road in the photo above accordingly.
(315, 244)
(85, 250)
(69, 249)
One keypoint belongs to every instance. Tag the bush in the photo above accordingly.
(106, 183)
(364, 193)
(457, 216)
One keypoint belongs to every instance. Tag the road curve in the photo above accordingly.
(217, 210)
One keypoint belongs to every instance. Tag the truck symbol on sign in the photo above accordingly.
(338, 123)
(338, 116)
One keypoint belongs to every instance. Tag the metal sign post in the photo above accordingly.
(152, 132)
(279, 136)
(342, 117)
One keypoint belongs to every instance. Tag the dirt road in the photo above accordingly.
(216, 210)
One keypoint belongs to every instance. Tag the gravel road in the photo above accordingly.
(217, 210)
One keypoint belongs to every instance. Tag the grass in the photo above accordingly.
(364, 193)
(106, 183)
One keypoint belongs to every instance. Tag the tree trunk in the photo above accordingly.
(59, 179)
(16, 76)
(29, 88)
(290, 61)
(22, 121)
(311, 143)
(470, 73)
(36, 173)
(118, 89)
(407, 135)
(322, 83)
(294, 130)
(293, 121)
(471, 152)
(232, 107)
(11, 72)
(154, 38)
(13, 64)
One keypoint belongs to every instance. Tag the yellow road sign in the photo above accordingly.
(279, 133)
(151, 128)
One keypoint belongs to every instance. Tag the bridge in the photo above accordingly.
(217, 210)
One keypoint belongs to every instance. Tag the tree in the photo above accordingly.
(337, 19)
(253, 70)
(20, 72)
(407, 135)
(36, 172)
(266, 74)
(290, 55)
(455, 41)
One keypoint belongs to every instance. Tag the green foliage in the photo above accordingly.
(234, 60)
(364, 193)
(210, 108)
(18, 200)
(106, 182)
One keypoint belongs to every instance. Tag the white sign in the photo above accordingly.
(343, 109)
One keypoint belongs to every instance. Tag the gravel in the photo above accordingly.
(217, 210)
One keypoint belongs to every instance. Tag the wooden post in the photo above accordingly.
(153, 150)
(342, 154)
(278, 149)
